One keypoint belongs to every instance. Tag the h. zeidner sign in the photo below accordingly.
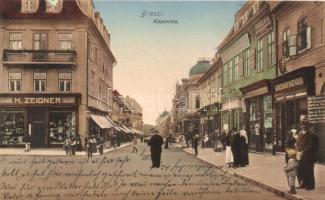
(37, 100)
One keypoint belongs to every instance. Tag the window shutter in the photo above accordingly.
(292, 45)
(308, 35)
(252, 59)
(240, 67)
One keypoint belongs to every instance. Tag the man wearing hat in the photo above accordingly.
(306, 156)
(155, 143)
(195, 143)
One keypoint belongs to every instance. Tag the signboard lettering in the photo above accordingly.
(37, 100)
(289, 84)
(316, 109)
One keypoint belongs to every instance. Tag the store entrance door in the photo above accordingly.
(38, 122)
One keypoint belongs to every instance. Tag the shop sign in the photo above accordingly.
(289, 84)
(257, 92)
(316, 109)
(37, 100)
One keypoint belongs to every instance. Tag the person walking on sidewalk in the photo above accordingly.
(229, 156)
(195, 144)
(306, 153)
(243, 147)
(166, 142)
(155, 143)
(291, 170)
(135, 143)
(235, 147)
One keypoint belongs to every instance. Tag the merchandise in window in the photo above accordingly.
(62, 125)
(11, 126)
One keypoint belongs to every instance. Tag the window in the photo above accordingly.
(259, 54)
(246, 62)
(12, 126)
(285, 44)
(65, 82)
(303, 36)
(230, 68)
(16, 41)
(271, 48)
(28, 6)
(40, 41)
(39, 82)
(235, 69)
(65, 41)
(52, 6)
(92, 82)
(62, 125)
(225, 74)
(14, 82)
(197, 102)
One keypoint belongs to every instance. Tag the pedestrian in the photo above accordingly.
(290, 143)
(243, 147)
(229, 155)
(73, 145)
(78, 143)
(195, 144)
(235, 147)
(27, 142)
(306, 154)
(155, 143)
(166, 142)
(291, 170)
(67, 146)
(135, 142)
(101, 145)
(91, 146)
(224, 139)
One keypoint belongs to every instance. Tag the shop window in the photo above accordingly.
(62, 125)
(11, 126)
(267, 108)
(65, 41)
(16, 41)
(39, 82)
(14, 82)
(260, 54)
(285, 43)
(65, 82)
(29, 6)
(303, 35)
(40, 41)
(246, 62)
(271, 48)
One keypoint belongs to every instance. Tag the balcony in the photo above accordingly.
(39, 57)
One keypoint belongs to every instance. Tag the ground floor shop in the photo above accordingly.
(291, 93)
(231, 115)
(258, 115)
(44, 120)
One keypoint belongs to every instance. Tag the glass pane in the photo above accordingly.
(18, 85)
(43, 85)
(11, 85)
(68, 85)
(11, 126)
(62, 125)
(36, 86)
(61, 85)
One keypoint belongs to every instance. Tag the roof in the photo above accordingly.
(200, 68)
(11, 9)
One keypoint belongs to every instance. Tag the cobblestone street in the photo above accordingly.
(120, 174)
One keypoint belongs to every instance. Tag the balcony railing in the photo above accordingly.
(39, 57)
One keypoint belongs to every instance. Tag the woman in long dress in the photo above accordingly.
(229, 156)
(243, 147)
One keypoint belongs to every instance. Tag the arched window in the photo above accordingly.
(53, 6)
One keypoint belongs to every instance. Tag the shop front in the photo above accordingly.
(258, 115)
(46, 119)
(231, 114)
(291, 93)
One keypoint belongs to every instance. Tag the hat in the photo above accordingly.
(292, 153)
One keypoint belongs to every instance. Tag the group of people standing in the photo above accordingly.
(301, 155)
(236, 143)
(72, 144)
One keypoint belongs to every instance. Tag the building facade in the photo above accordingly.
(299, 88)
(249, 63)
(56, 70)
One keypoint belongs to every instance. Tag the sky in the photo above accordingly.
(152, 57)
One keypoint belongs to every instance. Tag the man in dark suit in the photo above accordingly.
(155, 143)
(306, 148)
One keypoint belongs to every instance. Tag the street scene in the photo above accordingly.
(162, 100)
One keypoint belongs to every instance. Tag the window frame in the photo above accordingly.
(11, 41)
(40, 40)
(271, 48)
(65, 41)
(246, 63)
(40, 81)
(15, 81)
(259, 56)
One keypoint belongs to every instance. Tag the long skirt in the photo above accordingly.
(229, 156)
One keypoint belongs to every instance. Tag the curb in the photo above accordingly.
(257, 183)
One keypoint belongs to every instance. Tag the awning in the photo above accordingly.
(113, 124)
(127, 129)
(101, 121)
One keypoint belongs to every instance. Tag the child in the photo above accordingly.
(291, 170)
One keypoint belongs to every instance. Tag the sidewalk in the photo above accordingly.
(266, 171)
(51, 152)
